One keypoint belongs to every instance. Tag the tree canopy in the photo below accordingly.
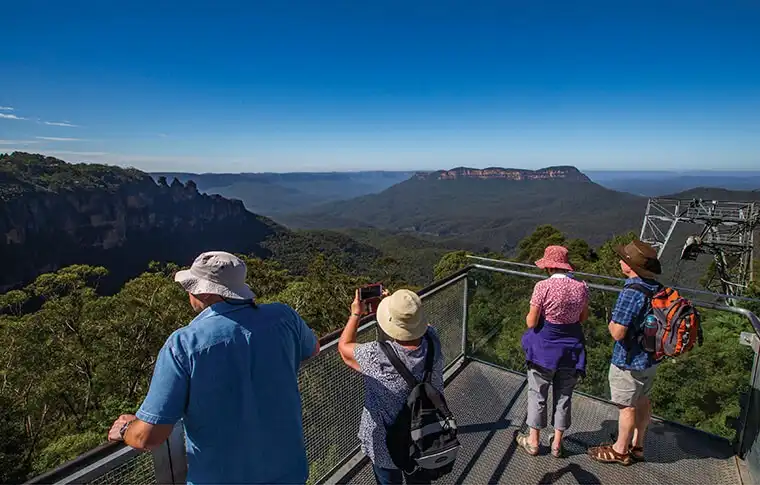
(73, 358)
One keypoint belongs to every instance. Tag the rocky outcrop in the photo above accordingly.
(549, 173)
(53, 214)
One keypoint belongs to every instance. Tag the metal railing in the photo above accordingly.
(497, 323)
(332, 397)
(467, 318)
(115, 463)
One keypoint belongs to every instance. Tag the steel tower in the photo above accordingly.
(723, 229)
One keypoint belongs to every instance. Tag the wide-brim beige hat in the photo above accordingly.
(400, 316)
(216, 273)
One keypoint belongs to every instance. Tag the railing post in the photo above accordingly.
(465, 311)
(748, 432)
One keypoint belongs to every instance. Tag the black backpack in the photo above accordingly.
(423, 438)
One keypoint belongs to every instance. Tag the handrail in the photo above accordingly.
(335, 334)
(111, 448)
(750, 316)
(753, 319)
(78, 463)
(621, 280)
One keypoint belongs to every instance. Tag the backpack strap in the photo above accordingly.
(440, 404)
(642, 289)
(632, 335)
(429, 358)
(397, 364)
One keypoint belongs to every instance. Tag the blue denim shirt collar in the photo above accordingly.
(220, 308)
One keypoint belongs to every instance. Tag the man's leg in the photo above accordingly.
(643, 417)
(624, 392)
(643, 409)
(626, 427)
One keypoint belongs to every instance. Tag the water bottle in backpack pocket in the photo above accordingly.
(649, 334)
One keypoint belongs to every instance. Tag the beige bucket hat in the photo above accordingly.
(400, 316)
(216, 273)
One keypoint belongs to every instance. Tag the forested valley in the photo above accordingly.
(73, 358)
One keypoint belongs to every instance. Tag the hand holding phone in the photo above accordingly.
(370, 296)
(370, 292)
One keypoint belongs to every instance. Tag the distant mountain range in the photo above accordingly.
(655, 184)
(495, 208)
(53, 214)
(276, 193)
(492, 208)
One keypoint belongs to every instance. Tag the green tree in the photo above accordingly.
(324, 295)
(608, 262)
(266, 277)
(532, 247)
(451, 263)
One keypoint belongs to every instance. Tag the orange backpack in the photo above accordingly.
(670, 325)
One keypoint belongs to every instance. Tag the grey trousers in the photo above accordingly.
(563, 382)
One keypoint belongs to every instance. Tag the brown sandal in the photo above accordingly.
(607, 454)
(637, 453)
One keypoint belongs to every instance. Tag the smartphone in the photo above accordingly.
(370, 292)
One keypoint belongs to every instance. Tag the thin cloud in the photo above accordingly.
(17, 142)
(10, 117)
(57, 138)
(6, 108)
(60, 123)
(80, 154)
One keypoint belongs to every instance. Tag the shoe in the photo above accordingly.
(637, 453)
(522, 440)
(607, 454)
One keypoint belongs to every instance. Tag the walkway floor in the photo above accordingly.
(490, 403)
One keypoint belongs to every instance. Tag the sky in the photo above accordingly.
(396, 85)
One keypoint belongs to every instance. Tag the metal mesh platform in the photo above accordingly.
(138, 470)
(490, 406)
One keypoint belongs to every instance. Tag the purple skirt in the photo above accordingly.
(554, 346)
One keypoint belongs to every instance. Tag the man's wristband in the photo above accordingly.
(123, 430)
(356, 315)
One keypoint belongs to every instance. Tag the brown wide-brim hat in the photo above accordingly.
(641, 257)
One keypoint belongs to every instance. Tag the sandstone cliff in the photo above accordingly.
(53, 214)
(549, 173)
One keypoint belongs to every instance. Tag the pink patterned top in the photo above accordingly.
(560, 298)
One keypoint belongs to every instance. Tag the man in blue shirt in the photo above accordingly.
(232, 376)
(632, 369)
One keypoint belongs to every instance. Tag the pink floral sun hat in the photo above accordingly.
(555, 257)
